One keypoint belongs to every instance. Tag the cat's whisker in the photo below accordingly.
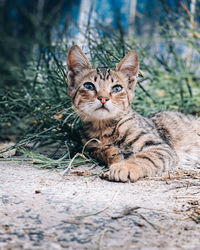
(118, 108)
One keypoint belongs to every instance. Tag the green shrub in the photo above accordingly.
(37, 109)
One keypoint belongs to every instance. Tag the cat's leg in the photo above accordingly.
(145, 163)
(108, 154)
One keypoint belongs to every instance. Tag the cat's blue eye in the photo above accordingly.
(89, 85)
(116, 88)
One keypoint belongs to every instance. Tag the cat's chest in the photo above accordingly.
(104, 135)
(99, 137)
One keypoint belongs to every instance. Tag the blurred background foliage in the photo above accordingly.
(35, 37)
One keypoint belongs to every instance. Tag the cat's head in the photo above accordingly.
(101, 94)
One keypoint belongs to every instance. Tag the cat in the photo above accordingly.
(132, 146)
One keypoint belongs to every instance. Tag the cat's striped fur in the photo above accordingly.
(131, 145)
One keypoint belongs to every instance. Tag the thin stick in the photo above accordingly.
(75, 222)
(127, 211)
(150, 223)
(102, 238)
(66, 171)
(187, 197)
(93, 139)
(100, 211)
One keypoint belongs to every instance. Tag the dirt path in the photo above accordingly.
(40, 209)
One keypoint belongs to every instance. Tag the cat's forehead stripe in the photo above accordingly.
(104, 73)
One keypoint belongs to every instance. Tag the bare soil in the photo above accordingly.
(42, 209)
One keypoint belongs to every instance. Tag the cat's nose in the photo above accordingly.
(103, 99)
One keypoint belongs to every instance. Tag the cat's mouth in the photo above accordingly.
(102, 108)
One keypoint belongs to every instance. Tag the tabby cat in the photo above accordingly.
(131, 145)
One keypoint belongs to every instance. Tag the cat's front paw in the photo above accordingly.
(124, 171)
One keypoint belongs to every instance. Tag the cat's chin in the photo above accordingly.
(97, 114)
(100, 115)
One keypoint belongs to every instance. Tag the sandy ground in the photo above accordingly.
(41, 209)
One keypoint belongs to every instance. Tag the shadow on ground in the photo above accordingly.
(41, 209)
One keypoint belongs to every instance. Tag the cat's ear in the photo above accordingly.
(129, 67)
(76, 63)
